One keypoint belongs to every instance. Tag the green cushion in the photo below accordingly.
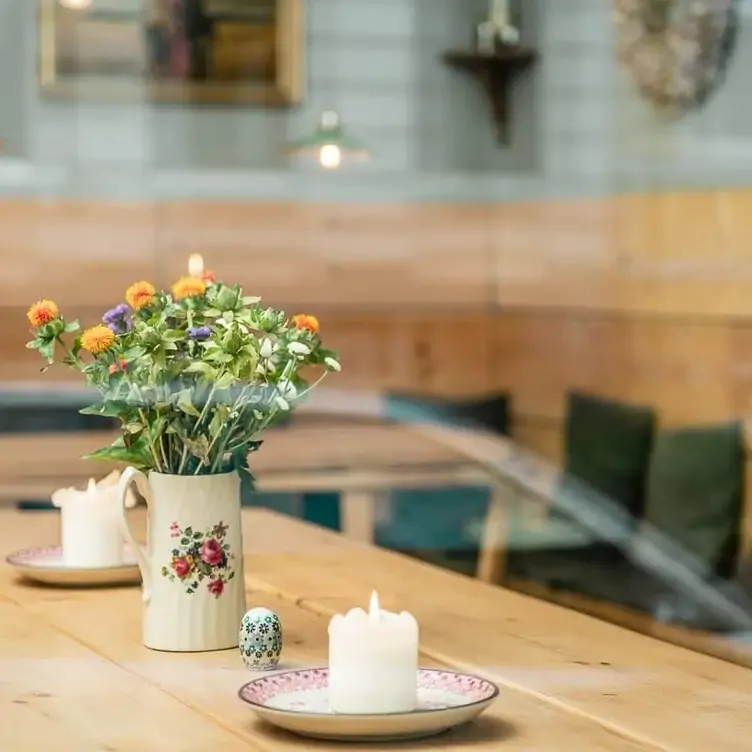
(48, 412)
(696, 492)
(323, 508)
(607, 447)
(488, 411)
(434, 518)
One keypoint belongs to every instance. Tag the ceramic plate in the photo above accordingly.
(298, 701)
(46, 565)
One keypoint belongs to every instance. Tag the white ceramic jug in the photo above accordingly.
(192, 570)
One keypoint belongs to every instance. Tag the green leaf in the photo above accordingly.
(33, 345)
(54, 328)
(185, 404)
(251, 300)
(107, 409)
(72, 326)
(227, 299)
(198, 448)
(219, 420)
(47, 350)
(132, 353)
(212, 313)
(199, 366)
(132, 456)
(225, 380)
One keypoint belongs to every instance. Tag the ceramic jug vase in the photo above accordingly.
(192, 569)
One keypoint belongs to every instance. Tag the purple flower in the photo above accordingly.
(199, 333)
(118, 313)
(117, 319)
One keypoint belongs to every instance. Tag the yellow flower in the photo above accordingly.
(307, 322)
(42, 313)
(139, 295)
(97, 339)
(188, 287)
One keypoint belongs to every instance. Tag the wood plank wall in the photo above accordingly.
(642, 298)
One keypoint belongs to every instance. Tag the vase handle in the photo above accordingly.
(136, 477)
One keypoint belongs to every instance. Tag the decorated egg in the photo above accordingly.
(260, 639)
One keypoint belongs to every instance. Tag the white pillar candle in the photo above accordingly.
(373, 661)
(91, 527)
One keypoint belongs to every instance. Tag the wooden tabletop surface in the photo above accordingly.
(73, 670)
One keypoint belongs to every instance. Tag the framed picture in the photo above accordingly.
(209, 51)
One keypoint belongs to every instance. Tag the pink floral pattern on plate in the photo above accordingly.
(304, 691)
(53, 556)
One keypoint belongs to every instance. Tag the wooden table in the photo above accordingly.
(73, 672)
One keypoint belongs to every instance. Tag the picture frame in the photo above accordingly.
(227, 52)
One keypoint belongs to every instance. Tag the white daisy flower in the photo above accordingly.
(298, 348)
(281, 403)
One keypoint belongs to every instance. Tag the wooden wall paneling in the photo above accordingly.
(688, 370)
(447, 354)
(740, 367)
(335, 256)
(686, 253)
(660, 253)
(669, 253)
(261, 246)
(556, 254)
(363, 343)
(444, 354)
(684, 368)
(75, 253)
(540, 355)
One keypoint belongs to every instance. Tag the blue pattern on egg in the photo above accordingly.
(260, 639)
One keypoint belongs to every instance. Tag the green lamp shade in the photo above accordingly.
(327, 138)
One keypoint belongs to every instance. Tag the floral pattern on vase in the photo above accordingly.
(198, 556)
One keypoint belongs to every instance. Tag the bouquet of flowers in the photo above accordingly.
(194, 375)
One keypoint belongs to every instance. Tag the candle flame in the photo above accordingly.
(373, 609)
(92, 487)
(196, 265)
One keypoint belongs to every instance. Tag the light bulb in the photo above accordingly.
(330, 156)
(75, 4)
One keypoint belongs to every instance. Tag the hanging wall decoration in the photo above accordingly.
(676, 50)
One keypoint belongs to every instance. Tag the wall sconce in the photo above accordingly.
(329, 144)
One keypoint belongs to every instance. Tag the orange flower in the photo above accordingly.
(139, 295)
(307, 322)
(188, 287)
(97, 339)
(209, 277)
(119, 366)
(42, 313)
